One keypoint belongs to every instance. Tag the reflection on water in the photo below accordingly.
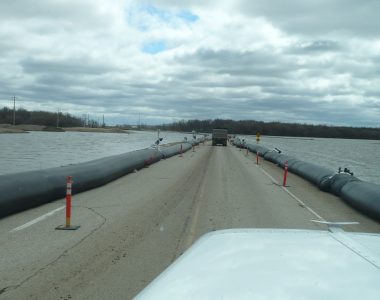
(360, 156)
(41, 150)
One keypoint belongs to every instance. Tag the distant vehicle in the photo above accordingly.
(219, 136)
(274, 264)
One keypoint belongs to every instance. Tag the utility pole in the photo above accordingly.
(14, 110)
(103, 125)
(139, 121)
(58, 118)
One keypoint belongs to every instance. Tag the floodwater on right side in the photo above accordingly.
(360, 156)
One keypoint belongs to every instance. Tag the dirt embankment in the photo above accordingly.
(11, 130)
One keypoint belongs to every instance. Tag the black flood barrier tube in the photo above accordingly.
(311, 172)
(21, 191)
(236, 142)
(174, 150)
(337, 181)
(364, 196)
(258, 148)
(272, 156)
(281, 160)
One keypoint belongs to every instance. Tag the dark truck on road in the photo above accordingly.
(219, 136)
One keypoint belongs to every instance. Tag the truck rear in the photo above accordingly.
(219, 136)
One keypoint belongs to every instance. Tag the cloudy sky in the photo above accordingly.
(315, 61)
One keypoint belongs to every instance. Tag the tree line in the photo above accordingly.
(45, 118)
(251, 127)
(246, 127)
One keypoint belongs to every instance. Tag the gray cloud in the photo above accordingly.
(319, 46)
(76, 66)
(239, 63)
(318, 17)
(70, 11)
(311, 17)
(297, 61)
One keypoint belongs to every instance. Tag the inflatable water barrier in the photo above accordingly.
(364, 196)
(21, 191)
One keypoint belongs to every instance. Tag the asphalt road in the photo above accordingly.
(134, 227)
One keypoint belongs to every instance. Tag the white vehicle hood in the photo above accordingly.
(273, 264)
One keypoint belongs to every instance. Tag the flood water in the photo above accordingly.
(41, 150)
(360, 156)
